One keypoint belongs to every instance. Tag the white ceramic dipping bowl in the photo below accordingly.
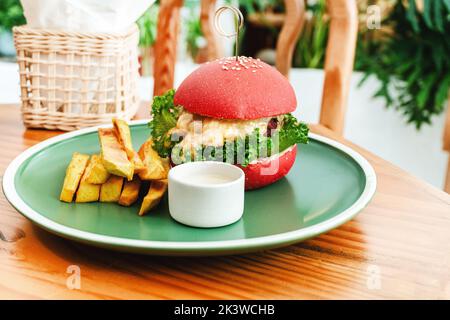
(206, 194)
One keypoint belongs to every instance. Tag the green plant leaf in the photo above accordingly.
(411, 15)
(447, 5)
(438, 56)
(438, 20)
(147, 24)
(443, 91)
(414, 75)
(427, 13)
(424, 93)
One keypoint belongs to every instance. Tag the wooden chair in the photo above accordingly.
(166, 45)
(166, 40)
(339, 54)
(446, 145)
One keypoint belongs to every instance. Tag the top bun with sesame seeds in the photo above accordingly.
(229, 89)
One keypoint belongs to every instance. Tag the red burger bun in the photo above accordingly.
(226, 89)
(255, 177)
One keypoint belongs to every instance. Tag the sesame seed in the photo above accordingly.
(253, 71)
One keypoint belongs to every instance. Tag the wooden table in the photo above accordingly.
(398, 247)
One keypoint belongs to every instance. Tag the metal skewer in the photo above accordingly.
(239, 20)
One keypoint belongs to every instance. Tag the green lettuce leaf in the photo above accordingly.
(291, 132)
(165, 115)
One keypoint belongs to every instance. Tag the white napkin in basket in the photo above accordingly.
(111, 16)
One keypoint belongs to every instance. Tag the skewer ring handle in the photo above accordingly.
(238, 15)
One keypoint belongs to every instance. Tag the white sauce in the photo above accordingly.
(211, 178)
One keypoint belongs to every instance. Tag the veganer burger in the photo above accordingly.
(231, 110)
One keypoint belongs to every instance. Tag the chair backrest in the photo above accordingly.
(338, 61)
(207, 12)
(166, 40)
(446, 145)
(166, 45)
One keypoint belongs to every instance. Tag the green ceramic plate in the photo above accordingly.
(328, 185)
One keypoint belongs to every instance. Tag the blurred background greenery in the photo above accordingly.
(409, 54)
(10, 14)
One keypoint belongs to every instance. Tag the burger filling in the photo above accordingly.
(184, 136)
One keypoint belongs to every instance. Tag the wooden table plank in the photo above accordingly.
(401, 239)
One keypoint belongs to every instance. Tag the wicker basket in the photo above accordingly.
(71, 80)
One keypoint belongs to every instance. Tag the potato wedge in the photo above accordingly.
(114, 157)
(73, 176)
(87, 192)
(124, 135)
(111, 189)
(130, 192)
(154, 196)
(137, 162)
(156, 168)
(96, 172)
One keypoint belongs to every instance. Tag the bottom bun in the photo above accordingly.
(268, 170)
